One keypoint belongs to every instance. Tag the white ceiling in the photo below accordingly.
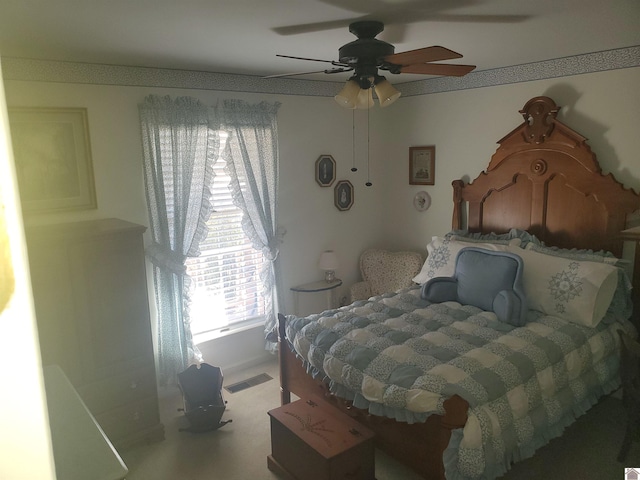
(244, 36)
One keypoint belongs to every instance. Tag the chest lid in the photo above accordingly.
(322, 427)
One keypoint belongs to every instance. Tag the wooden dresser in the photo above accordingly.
(90, 292)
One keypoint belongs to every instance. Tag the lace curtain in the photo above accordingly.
(181, 141)
(179, 153)
(252, 161)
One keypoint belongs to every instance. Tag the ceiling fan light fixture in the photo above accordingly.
(348, 96)
(365, 99)
(387, 93)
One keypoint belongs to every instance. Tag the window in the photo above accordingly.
(226, 289)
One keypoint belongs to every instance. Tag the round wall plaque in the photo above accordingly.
(422, 201)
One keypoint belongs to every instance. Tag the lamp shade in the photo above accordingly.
(365, 98)
(387, 93)
(328, 260)
(348, 95)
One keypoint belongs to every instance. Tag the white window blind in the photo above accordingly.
(226, 287)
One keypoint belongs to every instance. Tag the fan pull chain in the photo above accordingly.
(353, 138)
(368, 184)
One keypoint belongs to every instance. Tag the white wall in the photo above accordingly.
(308, 127)
(465, 127)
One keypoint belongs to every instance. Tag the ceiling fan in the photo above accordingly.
(366, 55)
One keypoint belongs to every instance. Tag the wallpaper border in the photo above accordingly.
(560, 67)
(99, 74)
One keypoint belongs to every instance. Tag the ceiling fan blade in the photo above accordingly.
(460, 18)
(312, 27)
(438, 69)
(422, 55)
(292, 74)
(339, 70)
(303, 58)
(393, 14)
(333, 70)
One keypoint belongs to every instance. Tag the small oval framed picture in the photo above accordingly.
(343, 195)
(325, 170)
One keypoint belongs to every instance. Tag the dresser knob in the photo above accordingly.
(133, 385)
(136, 416)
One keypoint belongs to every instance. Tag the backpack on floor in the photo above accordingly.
(201, 387)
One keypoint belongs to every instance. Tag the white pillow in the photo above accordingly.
(575, 290)
(575, 254)
(442, 252)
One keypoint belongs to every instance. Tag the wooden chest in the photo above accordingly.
(310, 440)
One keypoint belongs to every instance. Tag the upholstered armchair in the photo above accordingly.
(384, 271)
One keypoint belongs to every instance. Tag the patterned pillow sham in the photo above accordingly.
(621, 305)
(575, 253)
(574, 290)
(442, 252)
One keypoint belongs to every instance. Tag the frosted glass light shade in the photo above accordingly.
(387, 93)
(348, 95)
(365, 99)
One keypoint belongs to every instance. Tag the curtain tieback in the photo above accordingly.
(272, 250)
(166, 258)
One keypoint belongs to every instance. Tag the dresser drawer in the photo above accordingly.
(129, 419)
(119, 390)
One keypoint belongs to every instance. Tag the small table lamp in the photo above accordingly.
(328, 262)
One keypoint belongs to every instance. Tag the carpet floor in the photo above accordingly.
(238, 451)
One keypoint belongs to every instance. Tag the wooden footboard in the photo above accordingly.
(418, 445)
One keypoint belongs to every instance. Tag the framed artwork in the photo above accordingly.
(325, 170)
(343, 195)
(422, 165)
(53, 159)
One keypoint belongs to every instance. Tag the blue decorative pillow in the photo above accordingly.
(490, 280)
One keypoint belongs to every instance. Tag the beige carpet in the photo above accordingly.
(238, 450)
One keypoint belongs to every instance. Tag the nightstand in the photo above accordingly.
(320, 286)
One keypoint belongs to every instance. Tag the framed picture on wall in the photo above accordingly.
(343, 195)
(53, 159)
(325, 170)
(422, 165)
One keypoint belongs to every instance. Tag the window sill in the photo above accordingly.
(203, 337)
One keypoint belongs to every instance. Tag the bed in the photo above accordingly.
(456, 391)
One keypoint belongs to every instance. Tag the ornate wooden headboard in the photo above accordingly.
(545, 179)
